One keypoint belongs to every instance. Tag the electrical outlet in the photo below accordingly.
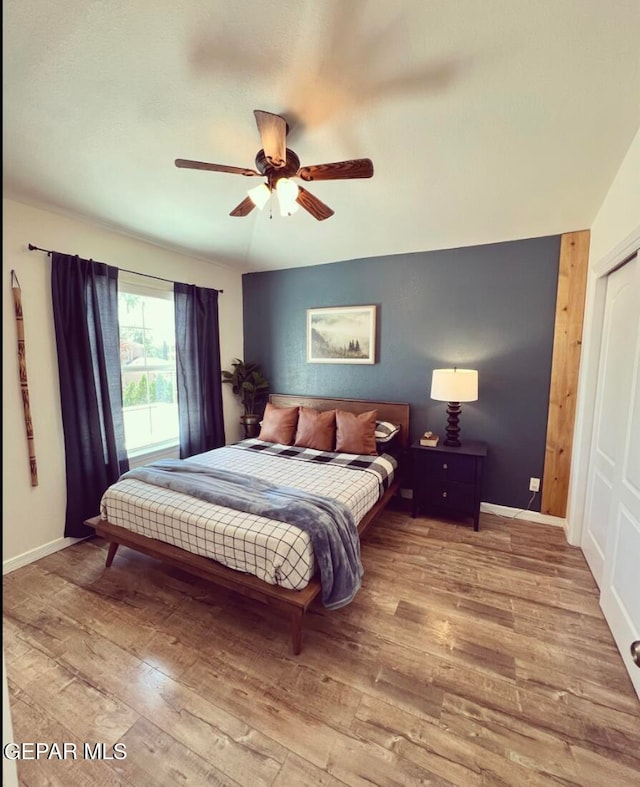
(534, 484)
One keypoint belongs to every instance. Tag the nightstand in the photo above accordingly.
(448, 479)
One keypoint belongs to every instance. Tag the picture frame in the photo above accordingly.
(341, 334)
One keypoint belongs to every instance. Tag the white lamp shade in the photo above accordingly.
(287, 191)
(260, 195)
(289, 210)
(454, 385)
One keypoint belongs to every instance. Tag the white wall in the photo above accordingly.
(615, 233)
(33, 517)
(619, 214)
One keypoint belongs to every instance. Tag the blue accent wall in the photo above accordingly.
(490, 308)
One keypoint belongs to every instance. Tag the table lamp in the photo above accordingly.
(454, 386)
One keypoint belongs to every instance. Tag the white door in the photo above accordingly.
(611, 535)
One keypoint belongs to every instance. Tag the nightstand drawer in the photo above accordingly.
(450, 467)
(449, 494)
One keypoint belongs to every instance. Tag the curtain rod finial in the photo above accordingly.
(32, 247)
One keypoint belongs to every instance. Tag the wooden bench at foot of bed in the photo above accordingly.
(292, 602)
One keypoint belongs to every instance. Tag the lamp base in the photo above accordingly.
(453, 430)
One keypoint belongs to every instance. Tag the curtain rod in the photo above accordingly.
(124, 270)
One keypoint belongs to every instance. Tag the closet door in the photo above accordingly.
(611, 536)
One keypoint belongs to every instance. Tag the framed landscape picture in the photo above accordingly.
(341, 334)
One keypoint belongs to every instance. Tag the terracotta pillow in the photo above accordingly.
(279, 424)
(355, 434)
(316, 429)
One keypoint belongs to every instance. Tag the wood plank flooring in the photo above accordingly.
(465, 659)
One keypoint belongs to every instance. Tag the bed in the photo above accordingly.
(243, 551)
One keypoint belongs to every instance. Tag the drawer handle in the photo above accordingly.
(444, 466)
(444, 494)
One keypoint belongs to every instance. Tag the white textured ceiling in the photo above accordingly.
(486, 120)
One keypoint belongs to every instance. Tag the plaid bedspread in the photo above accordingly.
(382, 466)
(275, 552)
(329, 523)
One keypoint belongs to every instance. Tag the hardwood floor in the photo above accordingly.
(466, 659)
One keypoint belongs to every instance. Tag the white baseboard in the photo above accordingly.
(510, 513)
(520, 513)
(35, 554)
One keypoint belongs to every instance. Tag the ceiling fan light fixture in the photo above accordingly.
(289, 210)
(277, 164)
(287, 191)
(260, 195)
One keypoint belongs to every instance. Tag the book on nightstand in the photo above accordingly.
(429, 439)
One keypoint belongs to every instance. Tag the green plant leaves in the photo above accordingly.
(247, 383)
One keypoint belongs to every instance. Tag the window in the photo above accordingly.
(148, 365)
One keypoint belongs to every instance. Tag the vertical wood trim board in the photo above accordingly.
(567, 341)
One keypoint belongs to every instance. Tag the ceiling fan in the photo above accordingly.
(278, 165)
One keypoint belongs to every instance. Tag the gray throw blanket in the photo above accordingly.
(329, 523)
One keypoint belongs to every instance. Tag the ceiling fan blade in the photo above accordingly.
(187, 164)
(339, 170)
(244, 208)
(313, 205)
(273, 135)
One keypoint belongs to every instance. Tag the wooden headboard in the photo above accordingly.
(395, 412)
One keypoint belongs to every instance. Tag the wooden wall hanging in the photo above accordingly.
(24, 387)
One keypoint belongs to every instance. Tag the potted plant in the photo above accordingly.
(250, 386)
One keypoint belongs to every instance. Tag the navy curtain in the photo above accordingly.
(198, 369)
(85, 311)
